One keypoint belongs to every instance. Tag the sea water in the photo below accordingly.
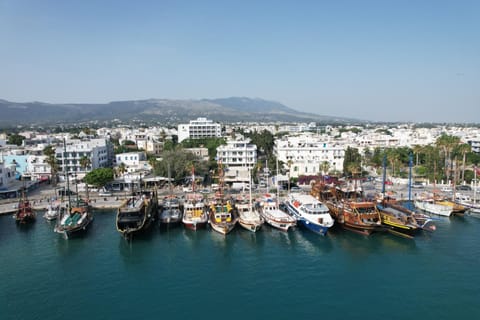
(270, 274)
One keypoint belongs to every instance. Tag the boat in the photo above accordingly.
(351, 214)
(195, 216)
(24, 214)
(76, 217)
(429, 205)
(170, 211)
(137, 214)
(274, 216)
(457, 209)
(53, 210)
(222, 216)
(309, 212)
(248, 216)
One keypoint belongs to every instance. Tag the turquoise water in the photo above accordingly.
(271, 274)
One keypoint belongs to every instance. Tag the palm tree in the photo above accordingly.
(447, 144)
(324, 167)
(85, 162)
(463, 149)
(121, 169)
(51, 160)
(417, 149)
(289, 163)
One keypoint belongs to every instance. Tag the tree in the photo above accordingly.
(352, 156)
(324, 167)
(85, 162)
(16, 139)
(51, 160)
(121, 169)
(447, 143)
(99, 177)
(463, 149)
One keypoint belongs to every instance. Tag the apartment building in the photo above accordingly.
(237, 158)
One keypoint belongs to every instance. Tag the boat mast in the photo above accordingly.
(475, 185)
(410, 163)
(250, 189)
(276, 184)
(66, 175)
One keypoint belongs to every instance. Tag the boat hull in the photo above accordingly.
(319, 229)
(195, 225)
(434, 208)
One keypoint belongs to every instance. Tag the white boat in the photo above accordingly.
(430, 206)
(271, 213)
(195, 215)
(53, 211)
(248, 217)
(309, 212)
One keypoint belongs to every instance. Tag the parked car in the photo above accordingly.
(418, 184)
(447, 189)
(464, 187)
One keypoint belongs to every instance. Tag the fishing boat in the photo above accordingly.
(271, 213)
(248, 216)
(195, 216)
(428, 204)
(136, 214)
(24, 214)
(170, 211)
(222, 216)
(309, 212)
(52, 211)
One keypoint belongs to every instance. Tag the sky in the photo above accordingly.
(372, 60)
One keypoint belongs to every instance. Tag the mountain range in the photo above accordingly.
(167, 111)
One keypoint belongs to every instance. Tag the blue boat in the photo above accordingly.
(309, 212)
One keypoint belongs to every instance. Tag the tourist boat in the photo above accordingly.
(195, 215)
(457, 209)
(136, 214)
(170, 211)
(309, 212)
(428, 204)
(53, 211)
(222, 217)
(24, 214)
(473, 208)
(74, 219)
(351, 214)
(271, 213)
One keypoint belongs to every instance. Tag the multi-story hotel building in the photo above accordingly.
(237, 158)
(198, 129)
(304, 154)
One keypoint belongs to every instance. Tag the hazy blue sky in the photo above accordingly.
(379, 60)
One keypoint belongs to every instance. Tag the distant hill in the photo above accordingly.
(235, 109)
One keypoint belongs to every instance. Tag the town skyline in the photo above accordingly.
(392, 62)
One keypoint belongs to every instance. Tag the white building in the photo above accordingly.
(307, 152)
(7, 175)
(237, 158)
(133, 161)
(98, 151)
(201, 153)
(198, 129)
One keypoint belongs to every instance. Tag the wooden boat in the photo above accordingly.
(136, 214)
(24, 214)
(222, 217)
(270, 211)
(457, 209)
(74, 219)
(360, 217)
(248, 217)
(429, 205)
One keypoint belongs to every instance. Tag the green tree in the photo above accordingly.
(85, 162)
(352, 156)
(99, 177)
(16, 139)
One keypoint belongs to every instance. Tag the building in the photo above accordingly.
(133, 161)
(199, 129)
(201, 153)
(99, 152)
(303, 155)
(237, 158)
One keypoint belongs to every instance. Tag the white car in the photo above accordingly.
(447, 189)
